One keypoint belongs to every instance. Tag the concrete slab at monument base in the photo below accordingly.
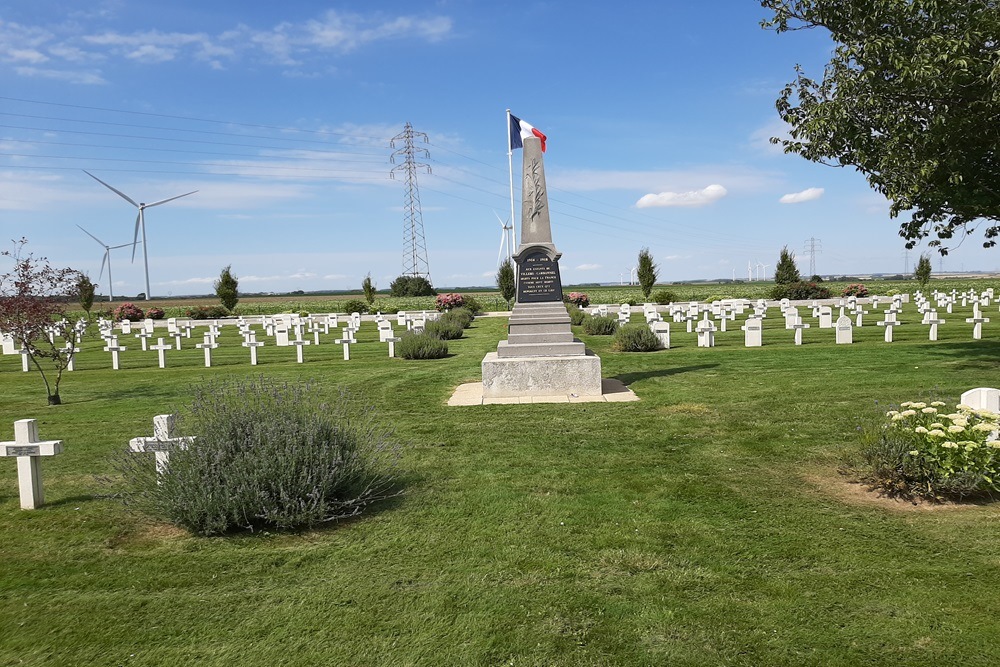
(541, 376)
(612, 391)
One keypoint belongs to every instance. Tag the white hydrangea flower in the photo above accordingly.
(936, 433)
(929, 411)
(905, 404)
(955, 428)
(892, 413)
(960, 422)
(993, 444)
(936, 425)
(898, 417)
(918, 406)
(983, 427)
(950, 445)
(908, 413)
(920, 429)
(937, 404)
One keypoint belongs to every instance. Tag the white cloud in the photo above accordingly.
(760, 139)
(806, 195)
(701, 197)
(69, 76)
(26, 55)
(588, 267)
(149, 53)
(737, 179)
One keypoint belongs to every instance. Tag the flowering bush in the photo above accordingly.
(127, 311)
(579, 299)
(856, 289)
(448, 301)
(155, 313)
(941, 453)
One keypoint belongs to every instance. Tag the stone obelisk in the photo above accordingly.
(540, 356)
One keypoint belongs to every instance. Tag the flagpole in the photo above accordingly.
(510, 167)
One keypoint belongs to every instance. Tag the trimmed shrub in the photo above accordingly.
(411, 286)
(580, 299)
(421, 346)
(576, 315)
(472, 304)
(155, 313)
(448, 301)
(856, 289)
(800, 291)
(635, 338)
(665, 296)
(206, 312)
(267, 455)
(597, 325)
(462, 315)
(355, 306)
(127, 311)
(444, 328)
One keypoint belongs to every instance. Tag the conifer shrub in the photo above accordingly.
(267, 455)
(597, 325)
(421, 346)
(635, 338)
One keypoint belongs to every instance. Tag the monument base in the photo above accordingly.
(541, 376)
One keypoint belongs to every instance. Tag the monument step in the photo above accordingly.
(505, 350)
(538, 327)
(541, 337)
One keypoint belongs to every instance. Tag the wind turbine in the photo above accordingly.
(140, 222)
(506, 238)
(106, 260)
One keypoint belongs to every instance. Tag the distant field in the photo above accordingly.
(490, 299)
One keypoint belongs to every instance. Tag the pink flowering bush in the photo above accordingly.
(127, 311)
(155, 313)
(579, 299)
(448, 301)
(856, 289)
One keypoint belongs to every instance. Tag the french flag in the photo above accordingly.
(520, 130)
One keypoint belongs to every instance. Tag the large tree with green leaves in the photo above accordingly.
(911, 99)
(647, 272)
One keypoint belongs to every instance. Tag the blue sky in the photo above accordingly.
(280, 115)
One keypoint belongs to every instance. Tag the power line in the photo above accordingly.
(813, 246)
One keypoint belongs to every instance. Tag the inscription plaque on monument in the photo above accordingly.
(538, 279)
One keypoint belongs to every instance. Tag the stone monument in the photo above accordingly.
(540, 356)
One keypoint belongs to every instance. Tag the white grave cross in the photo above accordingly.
(161, 350)
(114, 348)
(162, 442)
(28, 448)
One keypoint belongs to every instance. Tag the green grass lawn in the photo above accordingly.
(704, 524)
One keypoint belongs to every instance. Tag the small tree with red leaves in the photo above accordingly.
(33, 302)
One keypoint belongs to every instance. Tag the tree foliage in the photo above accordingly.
(86, 289)
(33, 302)
(785, 271)
(923, 271)
(911, 99)
(368, 289)
(506, 281)
(411, 286)
(227, 288)
(647, 272)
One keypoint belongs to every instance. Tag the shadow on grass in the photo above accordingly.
(629, 378)
(974, 354)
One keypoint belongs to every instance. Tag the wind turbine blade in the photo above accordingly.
(103, 262)
(115, 247)
(164, 201)
(118, 192)
(93, 237)
(135, 239)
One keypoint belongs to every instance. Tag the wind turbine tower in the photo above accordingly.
(506, 239)
(140, 222)
(106, 260)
